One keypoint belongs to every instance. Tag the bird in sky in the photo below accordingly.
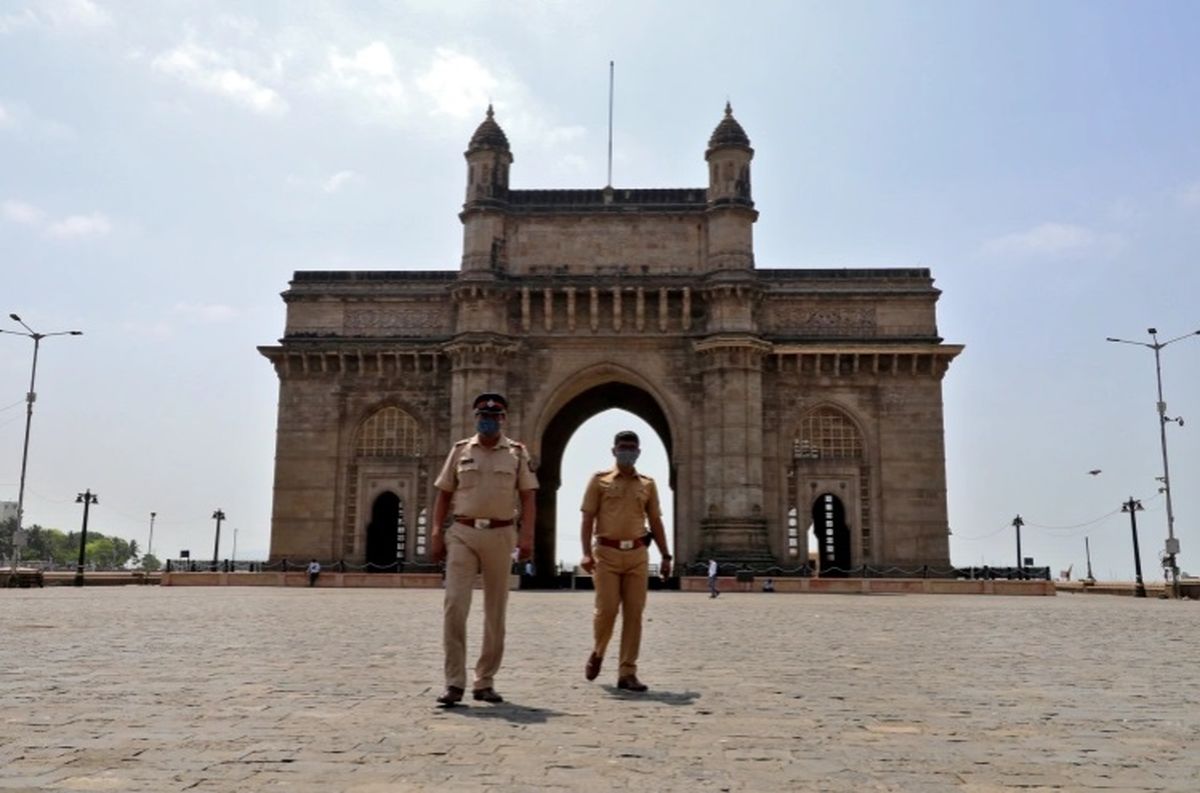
(1094, 471)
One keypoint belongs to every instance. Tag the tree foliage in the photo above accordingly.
(62, 548)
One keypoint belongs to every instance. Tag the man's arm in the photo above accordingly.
(660, 539)
(528, 522)
(586, 527)
(437, 544)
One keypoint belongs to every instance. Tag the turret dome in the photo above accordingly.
(489, 135)
(729, 133)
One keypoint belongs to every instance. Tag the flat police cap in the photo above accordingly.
(490, 403)
(625, 436)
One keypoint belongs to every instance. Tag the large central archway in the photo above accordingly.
(559, 430)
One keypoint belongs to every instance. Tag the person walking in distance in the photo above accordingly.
(712, 578)
(314, 570)
(480, 485)
(617, 505)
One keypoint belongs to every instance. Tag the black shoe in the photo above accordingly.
(592, 670)
(451, 695)
(631, 683)
(487, 695)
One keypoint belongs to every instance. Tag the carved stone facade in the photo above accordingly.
(784, 398)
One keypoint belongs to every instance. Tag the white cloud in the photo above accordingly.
(57, 14)
(205, 313)
(457, 84)
(75, 226)
(339, 180)
(369, 73)
(1190, 196)
(1051, 239)
(22, 213)
(77, 14)
(23, 121)
(210, 71)
(6, 118)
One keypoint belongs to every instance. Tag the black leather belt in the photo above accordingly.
(624, 545)
(483, 523)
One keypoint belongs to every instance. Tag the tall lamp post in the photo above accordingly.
(150, 542)
(30, 398)
(87, 498)
(218, 516)
(1172, 547)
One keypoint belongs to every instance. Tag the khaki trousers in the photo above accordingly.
(621, 579)
(470, 551)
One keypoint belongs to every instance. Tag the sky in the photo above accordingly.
(165, 167)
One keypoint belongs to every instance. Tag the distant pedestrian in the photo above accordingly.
(314, 570)
(769, 585)
(712, 579)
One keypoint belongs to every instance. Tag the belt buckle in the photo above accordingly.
(626, 545)
(483, 523)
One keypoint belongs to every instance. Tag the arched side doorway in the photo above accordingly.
(386, 533)
(554, 439)
(833, 536)
(385, 491)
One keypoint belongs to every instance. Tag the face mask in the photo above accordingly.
(487, 425)
(627, 457)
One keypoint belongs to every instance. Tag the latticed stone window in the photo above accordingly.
(390, 432)
(828, 434)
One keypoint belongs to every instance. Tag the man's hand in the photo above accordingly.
(664, 569)
(525, 545)
(588, 564)
(437, 546)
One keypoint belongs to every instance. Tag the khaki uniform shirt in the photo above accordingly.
(486, 482)
(621, 503)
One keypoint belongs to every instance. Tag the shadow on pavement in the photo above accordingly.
(665, 697)
(517, 714)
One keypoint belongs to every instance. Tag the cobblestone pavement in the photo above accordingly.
(237, 689)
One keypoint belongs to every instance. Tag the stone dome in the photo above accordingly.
(489, 135)
(729, 133)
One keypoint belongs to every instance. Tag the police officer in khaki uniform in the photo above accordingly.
(616, 507)
(483, 479)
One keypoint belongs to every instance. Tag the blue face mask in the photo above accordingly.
(487, 425)
(627, 457)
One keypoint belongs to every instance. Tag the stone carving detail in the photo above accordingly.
(401, 319)
(831, 321)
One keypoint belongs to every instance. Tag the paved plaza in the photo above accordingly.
(246, 689)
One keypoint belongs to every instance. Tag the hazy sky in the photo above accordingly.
(165, 167)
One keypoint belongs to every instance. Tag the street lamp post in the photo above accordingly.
(1171, 551)
(30, 398)
(218, 516)
(150, 542)
(1133, 506)
(87, 498)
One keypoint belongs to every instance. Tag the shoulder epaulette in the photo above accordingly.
(463, 442)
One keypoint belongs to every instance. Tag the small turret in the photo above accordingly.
(728, 157)
(731, 212)
(488, 160)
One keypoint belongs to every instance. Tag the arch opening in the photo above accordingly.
(555, 438)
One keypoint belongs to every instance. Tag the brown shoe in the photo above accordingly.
(631, 683)
(592, 670)
(451, 695)
(488, 694)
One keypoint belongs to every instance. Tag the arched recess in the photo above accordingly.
(386, 456)
(830, 455)
(558, 428)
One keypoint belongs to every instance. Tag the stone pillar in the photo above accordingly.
(733, 526)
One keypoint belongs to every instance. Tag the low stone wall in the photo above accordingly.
(105, 578)
(327, 580)
(875, 586)
(1188, 588)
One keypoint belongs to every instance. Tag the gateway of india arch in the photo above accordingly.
(784, 397)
